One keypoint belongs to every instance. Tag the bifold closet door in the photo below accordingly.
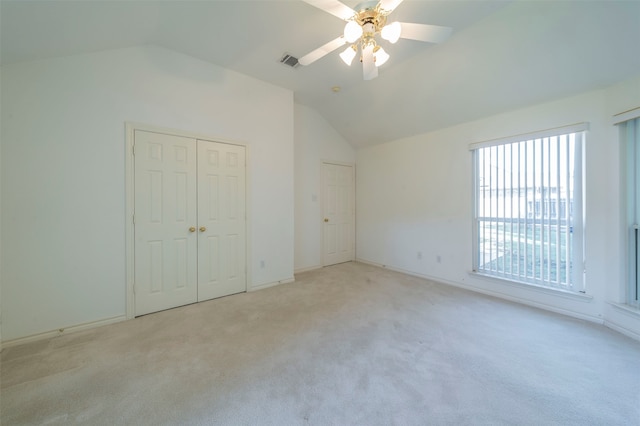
(221, 220)
(166, 238)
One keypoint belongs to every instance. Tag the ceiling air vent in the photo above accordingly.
(289, 61)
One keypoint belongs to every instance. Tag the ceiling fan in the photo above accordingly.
(368, 20)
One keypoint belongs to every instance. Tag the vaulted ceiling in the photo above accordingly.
(502, 54)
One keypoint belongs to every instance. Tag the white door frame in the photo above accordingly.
(130, 128)
(323, 201)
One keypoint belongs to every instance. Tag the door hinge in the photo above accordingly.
(134, 288)
(134, 219)
(133, 149)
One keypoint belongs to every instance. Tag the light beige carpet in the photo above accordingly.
(350, 344)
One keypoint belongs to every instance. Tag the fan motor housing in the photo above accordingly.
(369, 13)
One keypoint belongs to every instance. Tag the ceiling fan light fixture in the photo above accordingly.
(364, 25)
(391, 32)
(348, 54)
(352, 31)
(380, 56)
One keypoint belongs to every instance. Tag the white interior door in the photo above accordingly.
(339, 213)
(165, 221)
(221, 220)
(190, 220)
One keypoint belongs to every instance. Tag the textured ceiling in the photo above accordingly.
(501, 55)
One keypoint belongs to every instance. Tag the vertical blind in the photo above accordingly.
(528, 208)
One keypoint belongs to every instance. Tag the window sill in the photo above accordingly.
(583, 297)
(627, 309)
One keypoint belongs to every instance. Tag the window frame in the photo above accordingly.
(629, 133)
(535, 210)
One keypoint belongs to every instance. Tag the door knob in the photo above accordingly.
(192, 229)
(326, 220)
(202, 229)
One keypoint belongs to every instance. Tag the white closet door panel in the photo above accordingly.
(222, 221)
(339, 214)
(165, 209)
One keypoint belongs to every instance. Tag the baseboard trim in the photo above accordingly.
(368, 262)
(62, 331)
(622, 330)
(307, 269)
(499, 295)
(272, 284)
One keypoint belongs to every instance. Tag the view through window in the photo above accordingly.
(528, 206)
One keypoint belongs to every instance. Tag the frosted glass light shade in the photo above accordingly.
(352, 31)
(348, 55)
(381, 57)
(391, 32)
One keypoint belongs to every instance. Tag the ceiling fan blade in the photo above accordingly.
(369, 69)
(321, 51)
(389, 5)
(333, 7)
(423, 32)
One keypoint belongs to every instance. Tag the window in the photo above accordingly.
(630, 138)
(523, 230)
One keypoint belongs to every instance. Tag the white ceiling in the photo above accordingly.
(502, 54)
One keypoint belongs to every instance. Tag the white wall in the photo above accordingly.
(63, 173)
(1, 269)
(315, 141)
(415, 194)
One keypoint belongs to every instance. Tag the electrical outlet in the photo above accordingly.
(262, 264)
(419, 255)
(438, 259)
